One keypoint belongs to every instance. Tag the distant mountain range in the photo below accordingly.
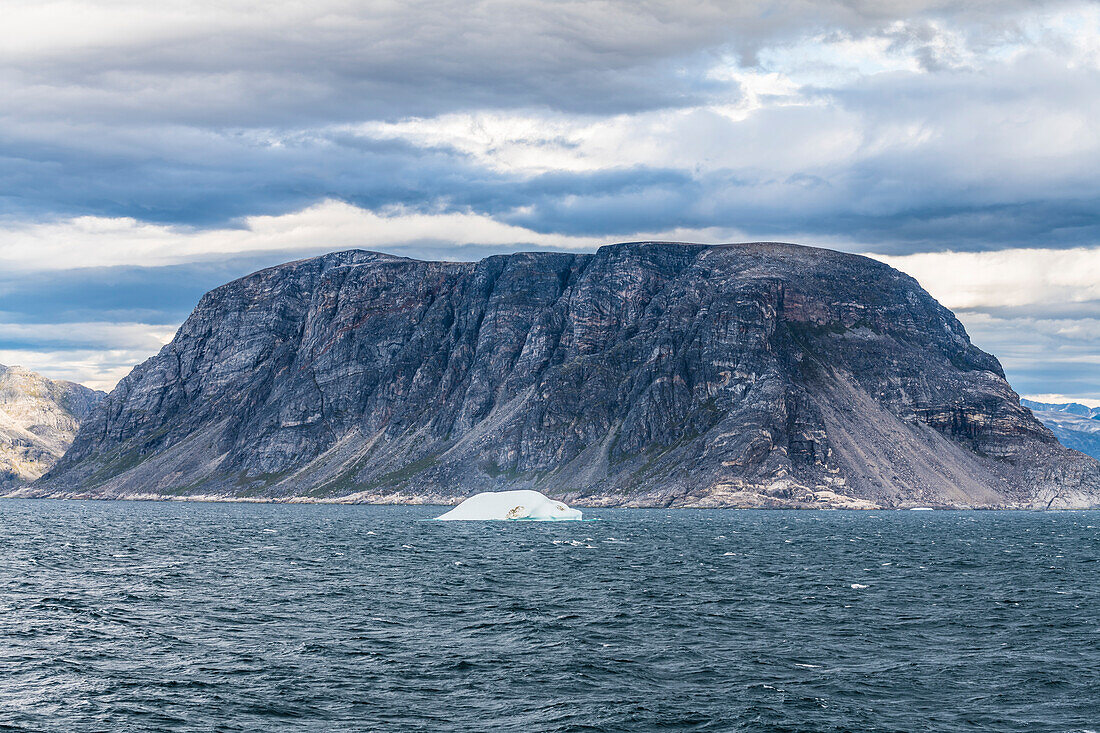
(39, 418)
(1075, 425)
(645, 374)
(1070, 408)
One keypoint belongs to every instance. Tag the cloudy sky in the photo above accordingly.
(151, 151)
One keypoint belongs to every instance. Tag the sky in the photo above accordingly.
(152, 151)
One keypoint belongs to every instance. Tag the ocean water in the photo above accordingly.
(129, 616)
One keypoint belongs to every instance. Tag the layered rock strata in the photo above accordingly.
(653, 374)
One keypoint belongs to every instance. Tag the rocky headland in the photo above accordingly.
(645, 374)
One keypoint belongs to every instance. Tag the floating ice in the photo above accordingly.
(524, 504)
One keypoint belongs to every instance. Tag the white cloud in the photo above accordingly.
(90, 241)
(1007, 278)
(96, 354)
(1062, 399)
(882, 137)
(836, 121)
(1005, 300)
(285, 58)
(95, 368)
(134, 336)
(778, 140)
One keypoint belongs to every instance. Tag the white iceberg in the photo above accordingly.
(524, 504)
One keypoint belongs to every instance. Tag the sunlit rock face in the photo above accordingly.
(39, 418)
(650, 374)
(512, 505)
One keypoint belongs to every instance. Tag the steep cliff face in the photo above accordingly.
(38, 421)
(644, 374)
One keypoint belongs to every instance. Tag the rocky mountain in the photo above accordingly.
(660, 374)
(39, 418)
(1076, 426)
(1070, 408)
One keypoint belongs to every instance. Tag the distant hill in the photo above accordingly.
(1075, 425)
(39, 418)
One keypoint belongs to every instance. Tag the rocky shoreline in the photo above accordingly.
(747, 501)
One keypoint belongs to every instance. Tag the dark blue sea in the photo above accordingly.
(131, 616)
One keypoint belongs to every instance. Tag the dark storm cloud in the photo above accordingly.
(216, 179)
(229, 181)
(291, 64)
(206, 116)
(130, 294)
(205, 177)
(86, 137)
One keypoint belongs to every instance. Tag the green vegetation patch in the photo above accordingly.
(124, 460)
(496, 471)
(406, 472)
(345, 482)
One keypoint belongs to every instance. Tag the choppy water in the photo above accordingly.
(165, 616)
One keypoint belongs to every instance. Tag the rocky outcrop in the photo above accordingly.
(39, 418)
(645, 374)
